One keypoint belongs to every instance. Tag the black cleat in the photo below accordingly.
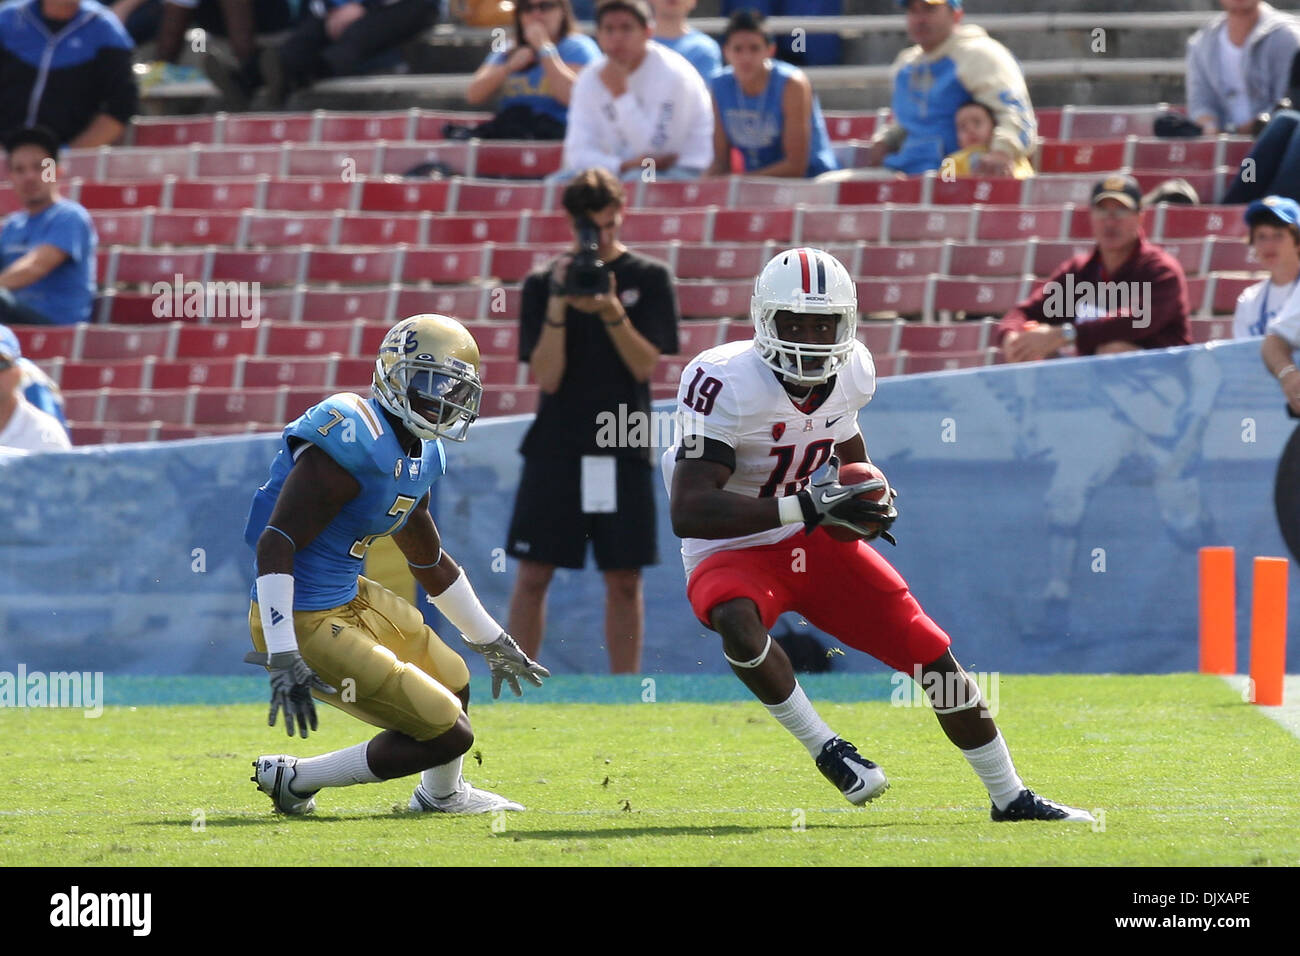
(1030, 806)
(856, 777)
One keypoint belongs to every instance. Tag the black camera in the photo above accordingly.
(587, 274)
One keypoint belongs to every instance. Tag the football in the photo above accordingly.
(851, 474)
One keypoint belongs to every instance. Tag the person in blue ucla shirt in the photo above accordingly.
(351, 470)
(765, 108)
(47, 248)
(535, 74)
(672, 30)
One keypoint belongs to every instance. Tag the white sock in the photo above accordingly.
(796, 715)
(340, 768)
(442, 780)
(992, 762)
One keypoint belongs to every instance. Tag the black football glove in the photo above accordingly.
(292, 682)
(826, 501)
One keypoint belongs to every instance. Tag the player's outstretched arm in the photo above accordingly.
(314, 492)
(452, 594)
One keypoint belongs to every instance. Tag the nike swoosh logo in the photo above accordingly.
(832, 421)
(830, 499)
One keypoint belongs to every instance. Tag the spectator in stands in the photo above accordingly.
(1126, 294)
(802, 48)
(535, 75)
(65, 65)
(1238, 65)
(1272, 168)
(593, 358)
(1274, 223)
(975, 127)
(37, 387)
(951, 64)
(338, 37)
(672, 30)
(23, 427)
(765, 108)
(47, 248)
(641, 110)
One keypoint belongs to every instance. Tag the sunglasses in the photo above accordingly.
(542, 6)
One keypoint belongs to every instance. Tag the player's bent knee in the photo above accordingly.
(950, 689)
(458, 739)
(736, 618)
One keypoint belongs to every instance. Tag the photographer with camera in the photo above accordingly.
(592, 327)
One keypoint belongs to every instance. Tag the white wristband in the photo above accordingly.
(275, 602)
(1284, 371)
(460, 605)
(790, 510)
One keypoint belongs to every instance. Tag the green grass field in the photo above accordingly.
(1184, 772)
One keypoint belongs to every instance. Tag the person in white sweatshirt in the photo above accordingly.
(641, 110)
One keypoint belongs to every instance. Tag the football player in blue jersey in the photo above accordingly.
(351, 470)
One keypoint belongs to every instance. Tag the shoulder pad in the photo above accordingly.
(345, 426)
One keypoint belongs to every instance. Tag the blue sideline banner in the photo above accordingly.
(1050, 517)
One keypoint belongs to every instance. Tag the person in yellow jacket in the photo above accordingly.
(975, 126)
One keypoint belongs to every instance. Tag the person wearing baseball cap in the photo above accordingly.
(1274, 224)
(23, 427)
(1126, 294)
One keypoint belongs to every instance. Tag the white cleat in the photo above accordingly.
(466, 799)
(273, 774)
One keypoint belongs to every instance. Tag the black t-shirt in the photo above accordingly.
(595, 378)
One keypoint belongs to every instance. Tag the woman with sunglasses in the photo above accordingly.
(534, 74)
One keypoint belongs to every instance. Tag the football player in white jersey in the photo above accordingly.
(765, 426)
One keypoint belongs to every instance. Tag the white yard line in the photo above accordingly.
(1288, 715)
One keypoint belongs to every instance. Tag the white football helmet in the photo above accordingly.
(804, 280)
(427, 375)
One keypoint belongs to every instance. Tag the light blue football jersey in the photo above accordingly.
(353, 431)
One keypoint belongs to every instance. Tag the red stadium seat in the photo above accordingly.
(85, 434)
(289, 229)
(1205, 183)
(1023, 223)
(1183, 222)
(356, 266)
(531, 160)
(49, 341)
(947, 361)
(881, 337)
(169, 432)
(144, 164)
(1107, 122)
(1174, 154)
(119, 195)
(171, 131)
(459, 302)
(513, 263)
(85, 375)
(1235, 151)
(215, 193)
(450, 264)
(429, 123)
(721, 260)
(273, 372)
(242, 162)
(376, 229)
(986, 259)
(818, 224)
(143, 308)
(1050, 255)
(758, 193)
(501, 196)
(1074, 157)
(694, 337)
(878, 191)
(333, 161)
(959, 337)
(1227, 288)
(1004, 191)
(1081, 222)
(372, 335)
(483, 227)
(252, 129)
(303, 339)
(1046, 189)
(268, 266)
(238, 406)
(979, 296)
(712, 299)
(1232, 255)
(136, 266)
(894, 260)
(843, 125)
(338, 305)
(1209, 330)
(668, 370)
(1198, 289)
(1188, 252)
(321, 195)
(509, 401)
(213, 342)
(660, 225)
(353, 373)
(1049, 122)
(912, 223)
(678, 194)
(494, 372)
(107, 342)
(146, 405)
(744, 225)
(496, 339)
(399, 158)
(404, 195)
(121, 228)
(362, 127)
(888, 365)
(195, 228)
(184, 373)
(899, 294)
(82, 406)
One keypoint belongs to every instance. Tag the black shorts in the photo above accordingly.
(549, 527)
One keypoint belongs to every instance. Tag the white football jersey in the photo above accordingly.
(728, 394)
